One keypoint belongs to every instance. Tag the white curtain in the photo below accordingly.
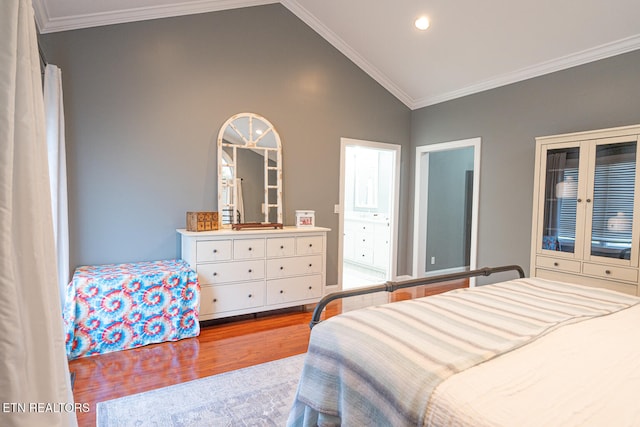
(34, 374)
(54, 115)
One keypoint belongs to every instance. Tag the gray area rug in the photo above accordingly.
(260, 395)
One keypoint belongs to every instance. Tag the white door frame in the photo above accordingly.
(393, 250)
(421, 201)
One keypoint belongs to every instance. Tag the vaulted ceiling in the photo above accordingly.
(469, 47)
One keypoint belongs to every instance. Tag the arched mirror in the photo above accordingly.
(249, 173)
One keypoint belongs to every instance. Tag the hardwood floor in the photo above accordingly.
(221, 347)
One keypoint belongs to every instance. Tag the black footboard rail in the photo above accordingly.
(392, 286)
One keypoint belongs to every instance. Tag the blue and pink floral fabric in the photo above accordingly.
(120, 306)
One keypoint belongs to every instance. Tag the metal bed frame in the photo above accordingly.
(392, 286)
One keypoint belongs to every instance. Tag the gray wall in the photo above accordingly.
(598, 95)
(144, 102)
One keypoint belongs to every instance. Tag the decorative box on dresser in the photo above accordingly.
(586, 209)
(253, 270)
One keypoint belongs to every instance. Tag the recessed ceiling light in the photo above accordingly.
(422, 23)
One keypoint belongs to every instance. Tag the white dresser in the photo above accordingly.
(249, 271)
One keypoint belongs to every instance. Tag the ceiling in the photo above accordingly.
(470, 46)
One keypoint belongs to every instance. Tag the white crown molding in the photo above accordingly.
(41, 13)
(46, 24)
(579, 58)
(313, 22)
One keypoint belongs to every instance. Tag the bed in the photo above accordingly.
(521, 352)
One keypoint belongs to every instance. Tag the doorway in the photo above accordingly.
(447, 184)
(369, 200)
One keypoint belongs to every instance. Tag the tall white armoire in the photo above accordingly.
(586, 207)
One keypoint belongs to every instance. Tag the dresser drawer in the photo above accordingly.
(295, 266)
(248, 249)
(558, 264)
(220, 299)
(280, 291)
(608, 272)
(213, 250)
(309, 245)
(282, 246)
(225, 272)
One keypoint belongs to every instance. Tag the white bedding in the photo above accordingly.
(581, 375)
(523, 352)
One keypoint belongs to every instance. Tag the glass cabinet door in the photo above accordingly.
(560, 199)
(613, 199)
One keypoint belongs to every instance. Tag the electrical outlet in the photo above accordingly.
(433, 260)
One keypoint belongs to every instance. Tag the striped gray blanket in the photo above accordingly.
(378, 366)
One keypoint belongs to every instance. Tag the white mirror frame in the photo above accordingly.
(420, 206)
(250, 141)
